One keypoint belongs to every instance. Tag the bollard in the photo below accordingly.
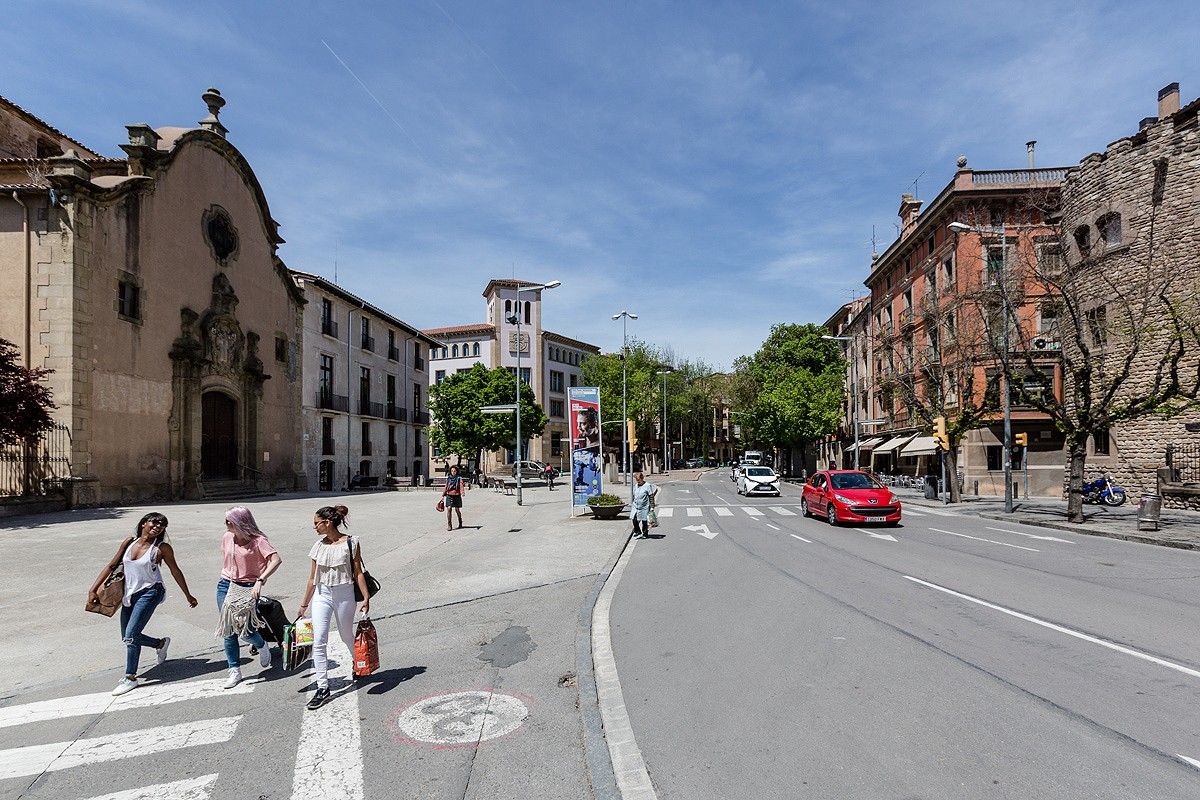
(1149, 510)
(977, 488)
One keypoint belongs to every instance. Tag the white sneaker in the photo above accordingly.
(264, 657)
(126, 685)
(161, 653)
(235, 677)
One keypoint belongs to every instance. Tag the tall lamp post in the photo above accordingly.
(961, 227)
(666, 457)
(516, 319)
(846, 340)
(625, 315)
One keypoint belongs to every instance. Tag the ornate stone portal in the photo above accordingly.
(218, 439)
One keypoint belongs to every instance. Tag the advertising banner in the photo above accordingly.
(586, 462)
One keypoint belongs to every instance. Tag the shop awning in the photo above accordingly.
(869, 444)
(892, 444)
(920, 446)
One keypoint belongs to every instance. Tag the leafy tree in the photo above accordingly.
(25, 401)
(462, 429)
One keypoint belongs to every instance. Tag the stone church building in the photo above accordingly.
(152, 287)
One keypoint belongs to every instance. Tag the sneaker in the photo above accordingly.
(264, 657)
(235, 677)
(126, 685)
(161, 652)
(318, 699)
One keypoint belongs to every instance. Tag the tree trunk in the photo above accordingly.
(950, 459)
(1077, 457)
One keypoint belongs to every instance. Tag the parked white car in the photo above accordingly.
(757, 480)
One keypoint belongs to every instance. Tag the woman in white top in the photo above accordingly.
(332, 578)
(140, 556)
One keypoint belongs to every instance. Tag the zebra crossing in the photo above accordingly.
(783, 510)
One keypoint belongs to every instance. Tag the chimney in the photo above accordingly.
(1030, 146)
(212, 98)
(910, 207)
(1168, 100)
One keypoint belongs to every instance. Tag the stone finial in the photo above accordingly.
(70, 165)
(215, 102)
(142, 135)
(962, 162)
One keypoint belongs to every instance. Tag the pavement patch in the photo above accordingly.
(511, 647)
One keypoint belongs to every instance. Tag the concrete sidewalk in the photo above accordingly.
(1176, 528)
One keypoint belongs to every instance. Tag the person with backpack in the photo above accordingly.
(140, 556)
(248, 559)
(452, 496)
(336, 569)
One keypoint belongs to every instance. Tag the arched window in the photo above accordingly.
(475, 349)
(364, 467)
(526, 312)
(1110, 228)
(1083, 240)
(454, 351)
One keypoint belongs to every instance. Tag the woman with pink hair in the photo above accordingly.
(248, 560)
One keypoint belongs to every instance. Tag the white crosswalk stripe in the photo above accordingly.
(190, 789)
(754, 512)
(36, 759)
(695, 512)
(783, 512)
(325, 770)
(664, 513)
(723, 512)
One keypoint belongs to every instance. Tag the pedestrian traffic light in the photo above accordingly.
(629, 426)
(1021, 439)
(939, 433)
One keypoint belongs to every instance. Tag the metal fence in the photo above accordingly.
(34, 469)
(1184, 462)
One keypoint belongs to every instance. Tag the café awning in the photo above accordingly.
(920, 446)
(869, 444)
(892, 444)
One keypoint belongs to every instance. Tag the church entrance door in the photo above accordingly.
(218, 437)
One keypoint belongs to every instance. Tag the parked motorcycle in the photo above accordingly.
(1104, 491)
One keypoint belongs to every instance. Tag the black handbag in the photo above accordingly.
(272, 613)
(372, 584)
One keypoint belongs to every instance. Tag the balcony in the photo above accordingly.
(369, 409)
(393, 353)
(420, 417)
(368, 344)
(332, 402)
(419, 363)
(395, 412)
(329, 328)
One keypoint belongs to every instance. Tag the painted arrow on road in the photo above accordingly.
(874, 535)
(702, 530)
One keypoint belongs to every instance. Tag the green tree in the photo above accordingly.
(462, 429)
(25, 401)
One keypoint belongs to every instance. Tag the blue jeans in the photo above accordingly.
(134, 619)
(233, 654)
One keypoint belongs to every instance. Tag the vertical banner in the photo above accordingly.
(586, 463)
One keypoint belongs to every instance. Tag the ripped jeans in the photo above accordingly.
(134, 619)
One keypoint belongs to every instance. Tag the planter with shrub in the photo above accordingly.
(606, 506)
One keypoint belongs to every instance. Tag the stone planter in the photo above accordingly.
(607, 512)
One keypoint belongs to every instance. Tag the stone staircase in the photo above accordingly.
(232, 490)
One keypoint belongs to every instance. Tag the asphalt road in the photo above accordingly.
(949, 657)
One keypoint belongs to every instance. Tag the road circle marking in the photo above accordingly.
(462, 718)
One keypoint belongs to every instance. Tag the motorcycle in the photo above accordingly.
(1104, 491)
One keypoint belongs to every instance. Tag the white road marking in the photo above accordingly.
(783, 512)
(724, 512)
(772, 527)
(190, 789)
(463, 718)
(801, 538)
(666, 512)
(145, 696)
(702, 530)
(935, 511)
(989, 541)
(875, 535)
(1120, 648)
(695, 512)
(1031, 535)
(1187, 760)
(39, 758)
(754, 512)
(908, 510)
(324, 769)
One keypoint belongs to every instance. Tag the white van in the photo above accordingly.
(754, 457)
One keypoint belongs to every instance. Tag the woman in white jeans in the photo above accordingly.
(332, 578)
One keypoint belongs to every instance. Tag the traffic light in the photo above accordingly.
(939, 433)
(632, 429)
(1021, 439)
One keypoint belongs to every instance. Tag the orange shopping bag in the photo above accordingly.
(366, 648)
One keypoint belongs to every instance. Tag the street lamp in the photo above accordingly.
(516, 319)
(961, 227)
(625, 315)
(845, 340)
(666, 456)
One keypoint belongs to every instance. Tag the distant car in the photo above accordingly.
(695, 463)
(533, 469)
(849, 496)
(758, 480)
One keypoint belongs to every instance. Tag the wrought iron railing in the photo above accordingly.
(332, 402)
(34, 469)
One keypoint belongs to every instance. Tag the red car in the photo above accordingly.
(849, 496)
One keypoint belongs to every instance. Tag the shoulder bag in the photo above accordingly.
(372, 584)
(112, 592)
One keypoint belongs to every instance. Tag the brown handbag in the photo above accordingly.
(112, 592)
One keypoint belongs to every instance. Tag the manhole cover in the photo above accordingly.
(462, 718)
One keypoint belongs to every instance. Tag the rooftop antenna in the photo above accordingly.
(874, 247)
(335, 259)
(916, 184)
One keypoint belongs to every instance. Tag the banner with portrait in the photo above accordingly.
(587, 465)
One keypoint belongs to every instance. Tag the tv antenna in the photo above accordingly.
(916, 184)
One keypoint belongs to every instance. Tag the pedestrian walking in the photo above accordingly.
(452, 496)
(643, 500)
(548, 474)
(248, 559)
(140, 556)
(336, 568)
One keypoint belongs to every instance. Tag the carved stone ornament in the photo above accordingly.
(225, 345)
(515, 346)
(220, 234)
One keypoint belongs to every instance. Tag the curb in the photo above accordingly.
(595, 746)
(1140, 538)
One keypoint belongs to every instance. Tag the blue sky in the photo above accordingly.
(714, 167)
